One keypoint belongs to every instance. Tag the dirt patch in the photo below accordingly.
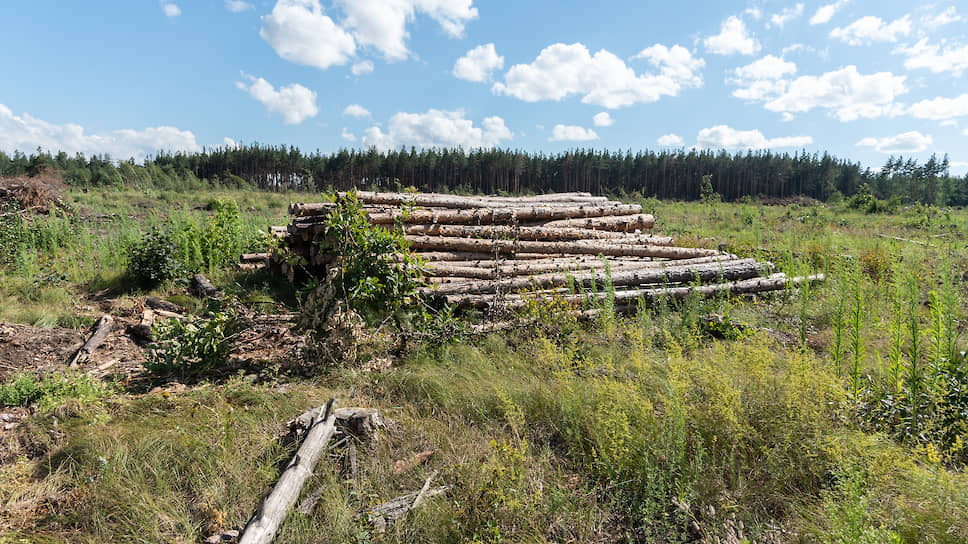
(35, 349)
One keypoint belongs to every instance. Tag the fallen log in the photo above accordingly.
(620, 223)
(671, 273)
(532, 233)
(263, 526)
(495, 270)
(202, 287)
(156, 303)
(433, 200)
(580, 247)
(382, 515)
(486, 216)
(101, 330)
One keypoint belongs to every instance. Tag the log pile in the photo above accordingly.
(490, 252)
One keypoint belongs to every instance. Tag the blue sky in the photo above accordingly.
(860, 79)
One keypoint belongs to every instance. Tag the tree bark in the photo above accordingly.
(579, 247)
(672, 273)
(101, 330)
(264, 525)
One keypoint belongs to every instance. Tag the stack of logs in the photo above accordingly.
(502, 252)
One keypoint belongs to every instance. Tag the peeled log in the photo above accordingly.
(101, 331)
(263, 526)
(619, 223)
(533, 233)
(735, 270)
(486, 216)
(596, 247)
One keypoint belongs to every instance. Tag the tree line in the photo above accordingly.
(679, 174)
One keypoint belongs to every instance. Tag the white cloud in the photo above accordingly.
(229, 142)
(826, 12)
(724, 137)
(786, 117)
(362, 68)
(478, 64)
(958, 168)
(670, 140)
(604, 79)
(382, 24)
(952, 59)
(949, 123)
(300, 32)
(870, 29)
(762, 78)
(356, 110)
(732, 38)
(940, 108)
(27, 133)
(572, 133)
(294, 102)
(603, 119)
(848, 94)
(171, 10)
(436, 128)
(946, 17)
(755, 12)
(785, 16)
(237, 6)
(347, 135)
(908, 142)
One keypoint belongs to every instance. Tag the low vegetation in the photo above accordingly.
(835, 414)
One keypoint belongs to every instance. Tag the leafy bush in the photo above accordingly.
(156, 258)
(191, 346)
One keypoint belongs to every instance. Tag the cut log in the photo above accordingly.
(430, 200)
(775, 282)
(254, 257)
(579, 247)
(490, 270)
(202, 287)
(671, 273)
(156, 303)
(263, 526)
(508, 232)
(381, 515)
(488, 216)
(101, 330)
(623, 223)
(143, 329)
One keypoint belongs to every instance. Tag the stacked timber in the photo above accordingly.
(491, 252)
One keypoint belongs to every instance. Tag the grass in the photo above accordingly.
(825, 417)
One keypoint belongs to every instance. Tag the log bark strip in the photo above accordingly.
(488, 216)
(736, 270)
(264, 525)
(101, 330)
(580, 247)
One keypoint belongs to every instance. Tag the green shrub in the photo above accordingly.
(24, 389)
(154, 259)
(192, 345)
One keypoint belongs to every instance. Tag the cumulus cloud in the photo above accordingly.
(602, 79)
(786, 15)
(603, 119)
(670, 140)
(940, 108)
(478, 64)
(347, 135)
(946, 17)
(171, 10)
(732, 38)
(572, 133)
(870, 29)
(229, 142)
(300, 32)
(725, 137)
(908, 142)
(356, 110)
(762, 78)
(826, 12)
(237, 6)
(437, 129)
(26, 133)
(846, 93)
(935, 57)
(294, 102)
(362, 68)
(382, 24)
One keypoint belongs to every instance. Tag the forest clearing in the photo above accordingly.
(500, 373)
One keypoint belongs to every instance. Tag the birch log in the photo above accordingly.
(533, 233)
(264, 525)
(487, 216)
(101, 330)
(579, 247)
(621, 223)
